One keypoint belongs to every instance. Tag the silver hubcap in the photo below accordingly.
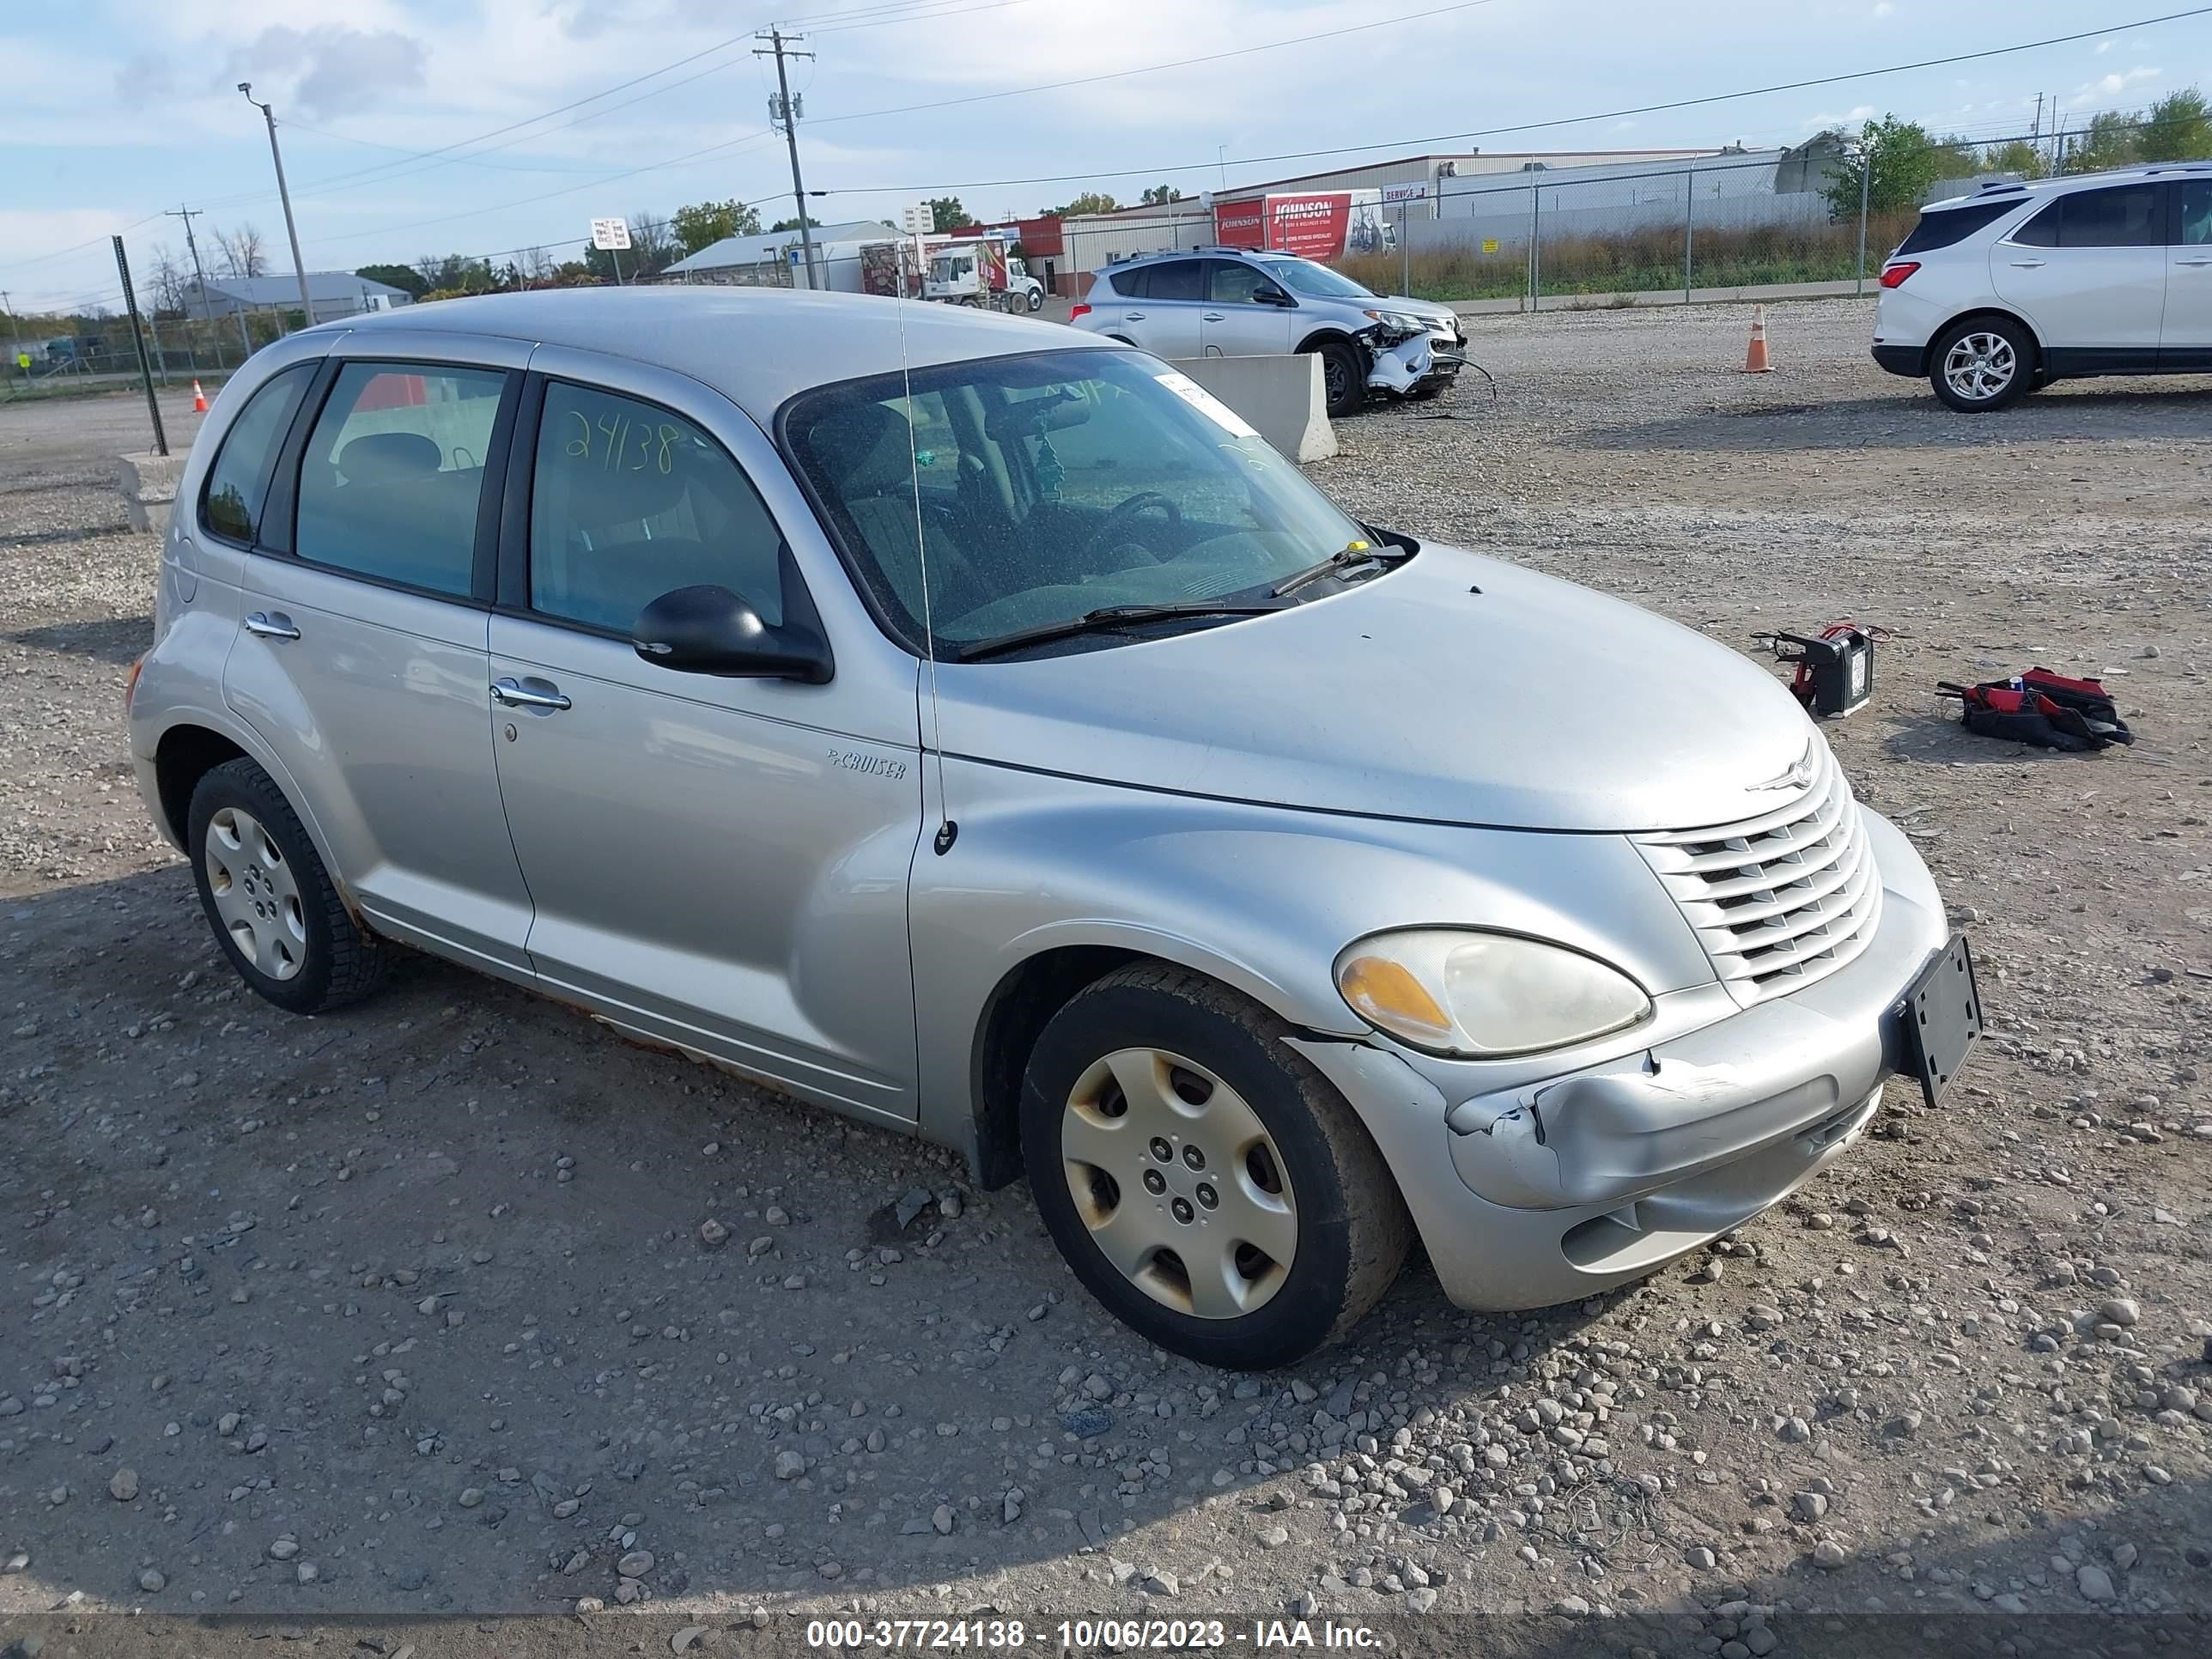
(255, 894)
(1980, 366)
(1180, 1183)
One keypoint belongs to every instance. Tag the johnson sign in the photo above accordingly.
(1314, 224)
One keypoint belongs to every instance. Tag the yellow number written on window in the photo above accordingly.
(655, 445)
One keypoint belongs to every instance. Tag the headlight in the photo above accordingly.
(1399, 319)
(1455, 991)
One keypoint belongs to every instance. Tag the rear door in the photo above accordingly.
(2090, 273)
(362, 662)
(1246, 314)
(1164, 318)
(720, 864)
(2186, 340)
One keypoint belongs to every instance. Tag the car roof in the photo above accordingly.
(2030, 190)
(756, 346)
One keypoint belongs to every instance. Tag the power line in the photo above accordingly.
(1533, 126)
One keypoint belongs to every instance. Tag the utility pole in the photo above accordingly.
(784, 114)
(199, 279)
(299, 269)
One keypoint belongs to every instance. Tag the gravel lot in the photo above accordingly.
(406, 1311)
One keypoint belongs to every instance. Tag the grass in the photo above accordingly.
(1636, 261)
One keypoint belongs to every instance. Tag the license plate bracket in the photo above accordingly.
(1942, 1017)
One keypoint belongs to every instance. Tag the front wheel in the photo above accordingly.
(1343, 378)
(1982, 364)
(1206, 1183)
(1036, 299)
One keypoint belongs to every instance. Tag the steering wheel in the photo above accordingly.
(1118, 521)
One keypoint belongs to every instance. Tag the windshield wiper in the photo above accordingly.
(1348, 557)
(1109, 617)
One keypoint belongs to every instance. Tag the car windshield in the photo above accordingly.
(1044, 488)
(1316, 281)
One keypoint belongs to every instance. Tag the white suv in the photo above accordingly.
(1997, 293)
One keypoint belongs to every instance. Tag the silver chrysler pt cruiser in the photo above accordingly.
(971, 725)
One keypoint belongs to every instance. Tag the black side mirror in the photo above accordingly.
(709, 629)
(1273, 296)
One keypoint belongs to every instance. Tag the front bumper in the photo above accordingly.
(1560, 1187)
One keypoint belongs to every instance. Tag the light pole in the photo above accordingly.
(299, 269)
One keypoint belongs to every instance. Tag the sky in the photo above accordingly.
(420, 127)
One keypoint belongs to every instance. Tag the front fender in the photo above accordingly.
(1261, 898)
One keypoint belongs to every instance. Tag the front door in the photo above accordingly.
(2186, 340)
(1247, 313)
(719, 864)
(362, 660)
(2088, 273)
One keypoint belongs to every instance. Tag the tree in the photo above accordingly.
(652, 245)
(2019, 156)
(1161, 195)
(405, 278)
(444, 275)
(1902, 160)
(951, 216)
(782, 225)
(2177, 128)
(166, 284)
(704, 223)
(244, 253)
(1091, 201)
(2109, 141)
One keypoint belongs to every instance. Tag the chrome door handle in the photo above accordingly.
(515, 694)
(2030, 265)
(1133, 316)
(271, 625)
(1212, 316)
(2193, 262)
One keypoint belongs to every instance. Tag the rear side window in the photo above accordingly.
(1178, 279)
(2123, 215)
(2196, 212)
(629, 502)
(393, 473)
(1954, 225)
(238, 484)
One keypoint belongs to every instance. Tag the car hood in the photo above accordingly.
(1456, 689)
(1427, 310)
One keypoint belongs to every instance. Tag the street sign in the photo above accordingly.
(609, 233)
(920, 220)
(1413, 192)
(1490, 244)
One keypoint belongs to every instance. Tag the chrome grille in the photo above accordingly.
(1778, 901)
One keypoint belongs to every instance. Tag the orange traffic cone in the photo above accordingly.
(199, 399)
(1755, 361)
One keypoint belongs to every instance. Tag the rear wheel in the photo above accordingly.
(1208, 1186)
(1983, 363)
(1343, 377)
(274, 907)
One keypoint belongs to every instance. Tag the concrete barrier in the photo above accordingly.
(148, 484)
(1281, 396)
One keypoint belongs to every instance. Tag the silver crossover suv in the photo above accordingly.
(968, 725)
(1246, 302)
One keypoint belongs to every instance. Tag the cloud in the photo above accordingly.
(2105, 87)
(331, 71)
(1883, 9)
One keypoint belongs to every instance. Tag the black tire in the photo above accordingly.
(339, 962)
(2016, 358)
(1343, 376)
(1036, 299)
(1352, 1229)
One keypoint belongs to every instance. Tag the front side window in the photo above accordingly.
(393, 473)
(629, 502)
(2196, 212)
(1232, 282)
(238, 484)
(1042, 487)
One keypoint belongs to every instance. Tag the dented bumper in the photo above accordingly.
(1553, 1188)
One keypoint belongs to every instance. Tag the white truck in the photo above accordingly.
(980, 271)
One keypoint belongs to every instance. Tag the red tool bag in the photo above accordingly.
(2045, 709)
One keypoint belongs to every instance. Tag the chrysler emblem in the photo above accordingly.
(1799, 776)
